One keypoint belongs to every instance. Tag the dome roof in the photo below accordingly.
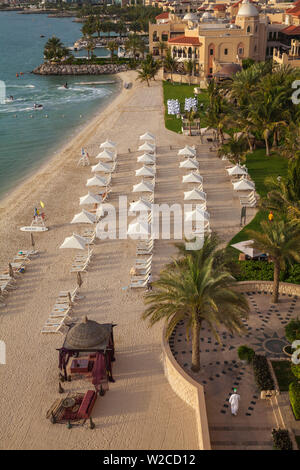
(247, 9)
(190, 17)
(87, 335)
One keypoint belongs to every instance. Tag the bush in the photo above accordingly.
(245, 353)
(292, 330)
(250, 270)
(262, 373)
(293, 274)
(296, 370)
(281, 439)
(294, 393)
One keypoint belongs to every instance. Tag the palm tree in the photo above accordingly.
(90, 46)
(162, 47)
(112, 46)
(194, 291)
(281, 240)
(148, 69)
(134, 44)
(189, 67)
(170, 63)
(55, 50)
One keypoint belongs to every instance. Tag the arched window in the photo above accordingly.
(155, 36)
(255, 48)
(248, 29)
(164, 36)
(190, 52)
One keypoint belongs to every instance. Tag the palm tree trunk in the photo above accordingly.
(196, 347)
(276, 281)
(249, 143)
(267, 146)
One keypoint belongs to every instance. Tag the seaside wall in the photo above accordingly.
(267, 286)
(92, 69)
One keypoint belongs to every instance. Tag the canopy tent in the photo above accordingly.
(146, 147)
(147, 158)
(147, 136)
(189, 164)
(236, 170)
(197, 214)
(243, 185)
(139, 230)
(75, 241)
(194, 194)
(90, 198)
(187, 152)
(106, 155)
(247, 248)
(145, 171)
(84, 217)
(192, 178)
(96, 181)
(108, 144)
(102, 167)
(143, 187)
(140, 206)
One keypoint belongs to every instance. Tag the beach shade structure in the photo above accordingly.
(140, 206)
(145, 171)
(187, 152)
(244, 185)
(108, 144)
(106, 155)
(90, 198)
(247, 248)
(147, 136)
(139, 230)
(76, 242)
(189, 164)
(194, 194)
(147, 158)
(146, 147)
(197, 214)
(84, 217)
(236, 170)
(143, 187)
(97, 181)
(192, 178)
(102, 167)
(32, 240)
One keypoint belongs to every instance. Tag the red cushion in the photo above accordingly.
(87, 404)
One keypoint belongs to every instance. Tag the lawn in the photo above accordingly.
(180, 92)
(284, 375)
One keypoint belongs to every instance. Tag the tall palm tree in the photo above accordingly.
(134, 44)
(189, 68)
(170, 63)
(162, 47)
(194, 291)
(112, 46)
(281, 240)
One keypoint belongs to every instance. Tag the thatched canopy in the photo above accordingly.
(88, 336)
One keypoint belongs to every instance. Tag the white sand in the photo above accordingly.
(140, 411)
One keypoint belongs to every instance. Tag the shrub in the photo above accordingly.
(294, 393)
(262, 373)
(292, 330)
(281, 439)
(296, 370)
(293, 274)
(245, 353)
(251, 270)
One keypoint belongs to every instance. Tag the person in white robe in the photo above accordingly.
(234, 402)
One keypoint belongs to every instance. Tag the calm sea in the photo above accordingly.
(27, 136)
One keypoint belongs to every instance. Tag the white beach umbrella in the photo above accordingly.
(75, 241)
(108, 144)
(189, 164)
(139, 229)
(147, 136)
(106, 155)
(146, 158)
(192, 178)
(243, 185)
(197, 214)
(194, 194)
(102, 167)
(246, 247)
(146, 147)
(84, 217)
(96, 181)
(236, 170)
(203, 130)
(145, 171)
(90, 198)
(187, 152)
(140, 205)
(143, 187)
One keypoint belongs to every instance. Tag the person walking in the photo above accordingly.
(234, 402)
(149, 282)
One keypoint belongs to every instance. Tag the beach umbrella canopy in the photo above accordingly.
(103, 167)
(96, 181)
(247, 248)
(192, 178)
(189, 164)
(236, 170)
(187, 152)
(145, 171)
(75, 241)
(146, 158)
(197, 214)
(90, 198)
(143, 187)
(84, 217)
(108, 144)
(139, 229)
(147, 136)
(194, 194)
(106, 155)
(146, 147)
(140, 205)
(243, 185)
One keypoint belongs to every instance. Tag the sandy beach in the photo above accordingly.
(140, 411)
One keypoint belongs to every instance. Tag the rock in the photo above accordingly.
(86, 69)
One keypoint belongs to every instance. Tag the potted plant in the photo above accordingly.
(292, 333)
(245, 354)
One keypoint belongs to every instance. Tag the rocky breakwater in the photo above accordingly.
(89, 69)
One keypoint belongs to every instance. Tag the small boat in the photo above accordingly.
(38, 106)
(42, 36)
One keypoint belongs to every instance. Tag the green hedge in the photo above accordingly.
(245, 353)
(294, 393)
(264, 271)
(281, 439)
(262, 373)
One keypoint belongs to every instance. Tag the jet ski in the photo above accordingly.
(38, 106)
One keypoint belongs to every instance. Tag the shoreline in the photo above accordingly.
(54, 158)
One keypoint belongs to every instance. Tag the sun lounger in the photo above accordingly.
(136, 284)
(54, 328)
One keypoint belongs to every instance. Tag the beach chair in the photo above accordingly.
(53, 328)
(138, 284)
(65, 294)
(143, 261)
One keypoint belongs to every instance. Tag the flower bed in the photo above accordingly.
(262, 373)
(281, 439)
